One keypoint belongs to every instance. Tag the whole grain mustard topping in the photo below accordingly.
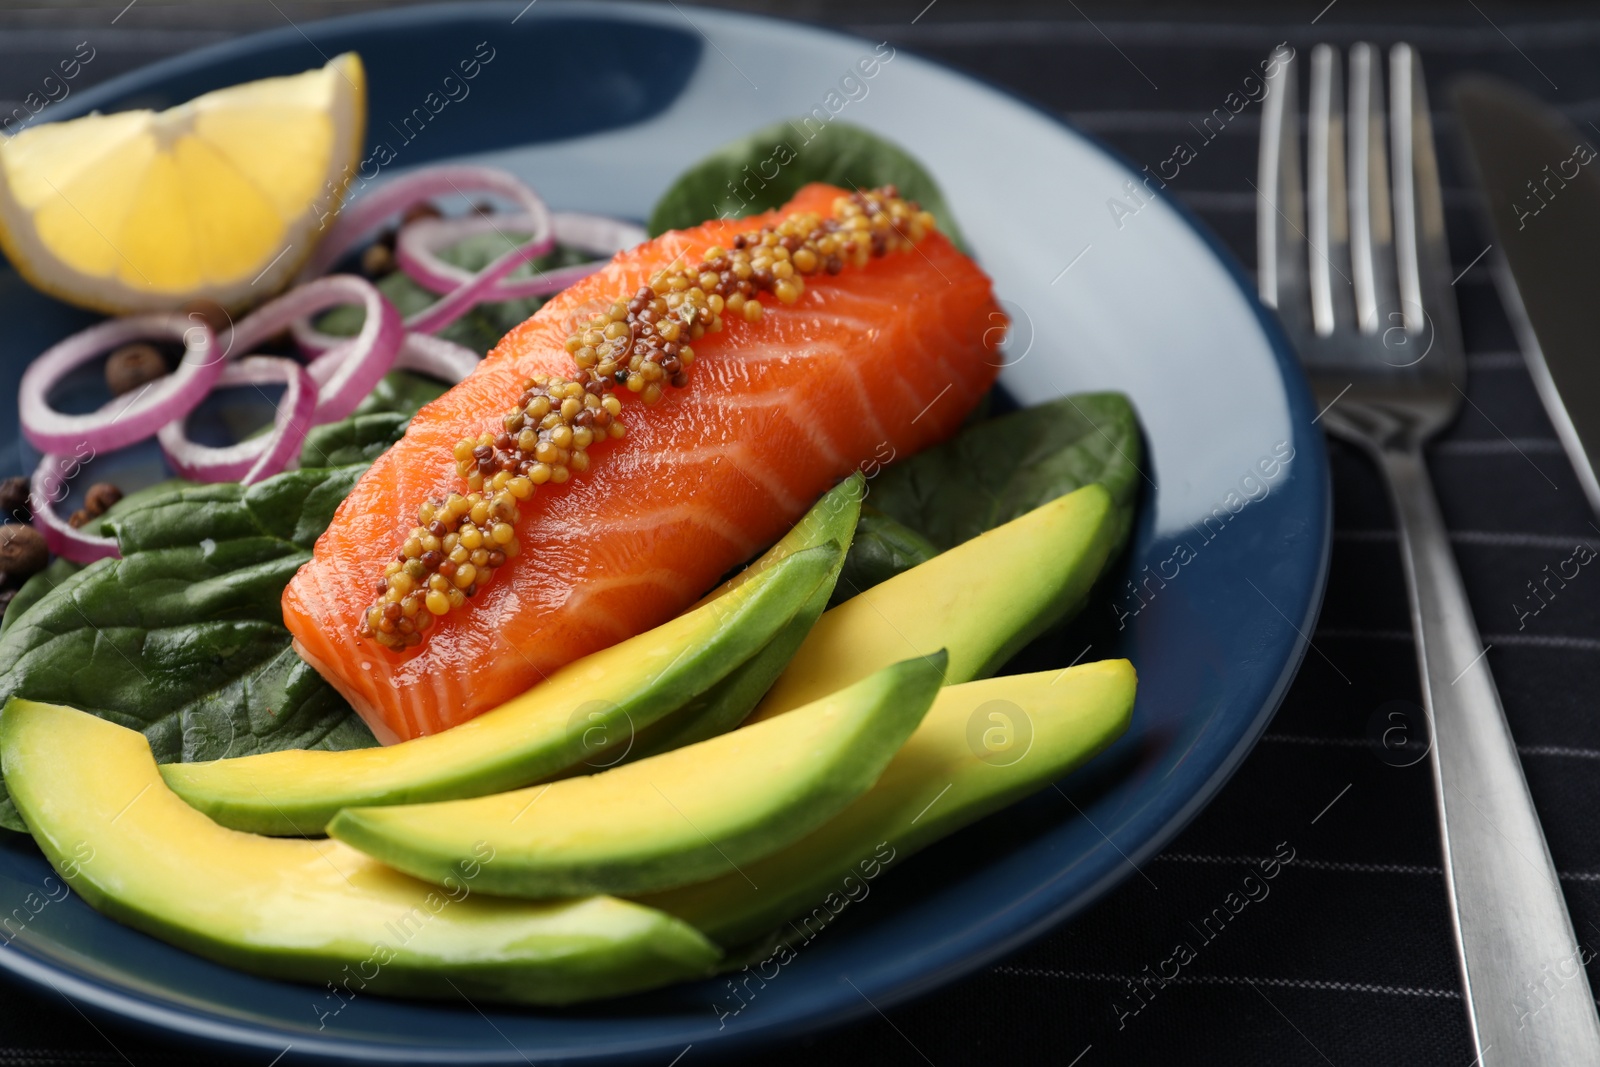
(641, 345)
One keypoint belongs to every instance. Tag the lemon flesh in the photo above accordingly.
(220, 197)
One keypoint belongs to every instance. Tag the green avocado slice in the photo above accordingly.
(980, 747)
(683, 816)
(729, 702)
(983, 600)
(554, 725)
(313, 911)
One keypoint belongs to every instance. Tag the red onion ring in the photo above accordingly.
(349, 369)
(125, 419)
(594, 234)
(359, 219)
(445, 360)
(257, 458)
(45, 489)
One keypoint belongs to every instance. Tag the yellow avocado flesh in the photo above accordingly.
(607, 694)
(314, 911)
(980, 747)
(981, 600)
(680, 817)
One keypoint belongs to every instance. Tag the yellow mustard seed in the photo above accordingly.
(501, 533)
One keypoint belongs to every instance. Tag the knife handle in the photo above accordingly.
(1527, 995)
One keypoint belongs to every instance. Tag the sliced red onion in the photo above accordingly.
(46, 489)
(128, 418)
(358, 220)
(476, 288)
(595, 234)
(259, 457)
(347, 371)
(434, 356)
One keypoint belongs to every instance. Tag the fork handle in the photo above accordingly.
(1528, 998)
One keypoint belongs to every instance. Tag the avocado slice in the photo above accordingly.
(980, 747)
(728, 703)
(982, 600)
(314, 911)
(680, 817)
(554, 725)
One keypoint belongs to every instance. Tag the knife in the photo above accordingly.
(1540, 177)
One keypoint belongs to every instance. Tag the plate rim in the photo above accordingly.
(169, 1020)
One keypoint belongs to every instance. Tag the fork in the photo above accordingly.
(1356, 265)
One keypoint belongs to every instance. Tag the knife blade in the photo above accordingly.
(1540, 178)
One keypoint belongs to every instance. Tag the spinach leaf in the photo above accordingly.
(992, 472)
(378, 422)
(882, 549)
(733, 181)
(183, 637)
(479, 329)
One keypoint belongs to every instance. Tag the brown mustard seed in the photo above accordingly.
(643, 345)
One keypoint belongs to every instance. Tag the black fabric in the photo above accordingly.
(1347, 960)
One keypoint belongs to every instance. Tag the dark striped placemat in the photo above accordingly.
(1342, 955)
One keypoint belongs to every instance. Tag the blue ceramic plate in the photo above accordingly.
(599, 107)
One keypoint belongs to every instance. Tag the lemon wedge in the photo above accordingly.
(222, 197)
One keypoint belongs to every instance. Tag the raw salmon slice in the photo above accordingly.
(871, 363)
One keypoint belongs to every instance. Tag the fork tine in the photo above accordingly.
(1372, 263)
(1422, 257)
(1327, 211)
(1280, 210)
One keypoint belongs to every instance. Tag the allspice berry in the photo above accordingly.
(377, 261)
(22, 551)
(427, 209)
(14, 500)
(100, 497)
(133, 366)
(213, 314)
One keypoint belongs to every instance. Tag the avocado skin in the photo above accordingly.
(879, 713)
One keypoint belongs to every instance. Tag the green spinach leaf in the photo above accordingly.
(183, 637)
(378, 422)
(990, 473)
(734, 181)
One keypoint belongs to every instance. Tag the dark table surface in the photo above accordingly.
(1348, 958)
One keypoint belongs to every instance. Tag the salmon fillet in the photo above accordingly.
(871, 363)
